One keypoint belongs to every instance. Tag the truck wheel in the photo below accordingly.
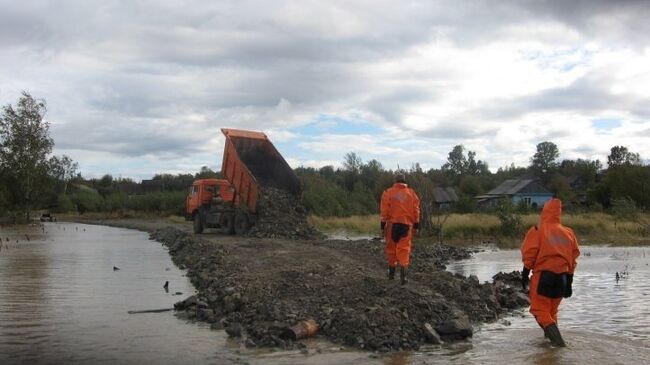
(197, 225)
(227, 223)
(242, 224)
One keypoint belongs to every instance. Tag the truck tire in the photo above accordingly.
(242, 224)
(227, 223)
(197, 225)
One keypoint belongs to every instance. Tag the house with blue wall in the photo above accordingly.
(530, 191)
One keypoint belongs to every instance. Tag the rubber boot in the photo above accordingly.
(391, 272)
(402, 275)
(553, 333)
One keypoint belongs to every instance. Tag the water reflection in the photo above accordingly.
(401, 358)
(600, 302)
(61, 301)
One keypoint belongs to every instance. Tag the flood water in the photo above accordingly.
(61, 301)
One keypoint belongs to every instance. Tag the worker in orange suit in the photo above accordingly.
(400, 217)
(551, 251)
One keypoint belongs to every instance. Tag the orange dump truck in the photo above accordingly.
(250, 163)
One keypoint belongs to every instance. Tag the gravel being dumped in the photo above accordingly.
(281, 215)
(256, 288)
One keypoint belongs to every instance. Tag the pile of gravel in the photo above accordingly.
(256, 289)
(280, 214)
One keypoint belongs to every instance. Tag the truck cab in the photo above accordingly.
(204, 195)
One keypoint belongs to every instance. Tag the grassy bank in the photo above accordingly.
(591, 228)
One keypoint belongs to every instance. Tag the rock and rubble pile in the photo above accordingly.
(281, 215)
(256, 289)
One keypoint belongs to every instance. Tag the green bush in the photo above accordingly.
(115, 202)
(161, 202)
(88, 202)
(63, 204)
(624, 209)
(511, 223)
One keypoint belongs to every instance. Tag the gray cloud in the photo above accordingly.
(145, 77)
(589, 95)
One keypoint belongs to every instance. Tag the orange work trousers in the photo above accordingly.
(397, 252)
(543, 308)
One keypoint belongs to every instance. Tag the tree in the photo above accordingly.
(456, 161)
(619, 156)
(628, 181)
(25, 144)
(460, 165)
(63, 169)
(371, 172)
(475, 167)
(206, 173)
(587, 170)
(543, 162)
(352, 164)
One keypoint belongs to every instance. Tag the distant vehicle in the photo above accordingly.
(47, 217)
(250, 163)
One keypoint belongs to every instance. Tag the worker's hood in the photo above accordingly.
(552, 211)
(400, 185)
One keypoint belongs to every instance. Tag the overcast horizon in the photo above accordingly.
(143, 87)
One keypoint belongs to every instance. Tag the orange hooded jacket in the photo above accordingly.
(551, 247)
(400, 204)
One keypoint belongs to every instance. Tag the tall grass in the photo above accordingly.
(356, 224)
(591, 228)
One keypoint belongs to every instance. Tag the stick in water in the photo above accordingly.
(152, 311)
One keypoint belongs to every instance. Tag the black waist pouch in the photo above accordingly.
(399, 230)
(552, 285)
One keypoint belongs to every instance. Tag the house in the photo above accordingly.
(443, 198)
(531, 192)
(151, 186)
(576, 182)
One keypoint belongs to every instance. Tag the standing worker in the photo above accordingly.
(551, 252)
(400, 217)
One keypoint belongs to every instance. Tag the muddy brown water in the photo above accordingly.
(61, 301)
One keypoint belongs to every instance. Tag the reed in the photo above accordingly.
(356, 224)
(591, 228)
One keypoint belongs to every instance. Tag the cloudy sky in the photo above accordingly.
(139, 87)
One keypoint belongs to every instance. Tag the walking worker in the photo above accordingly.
(551, 252)
(400, 217)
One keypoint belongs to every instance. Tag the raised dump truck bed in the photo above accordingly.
(251, 162)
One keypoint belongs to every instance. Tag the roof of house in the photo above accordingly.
(517, 186)
(444, 195)
(575, 180)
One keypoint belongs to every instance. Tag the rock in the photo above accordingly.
(205, 314)
(201, 304)
(232, 303)
(432, 336)
(457, 327)
(522, 300)
(250, 343)
(187, 302)
(234, 330)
